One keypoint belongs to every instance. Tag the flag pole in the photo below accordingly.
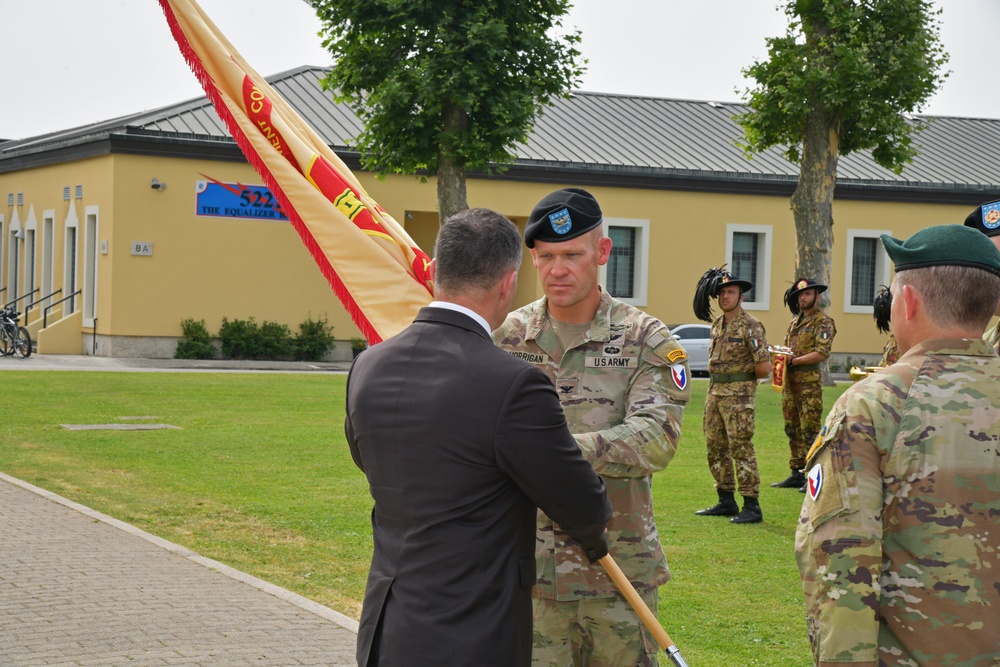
(628, 590)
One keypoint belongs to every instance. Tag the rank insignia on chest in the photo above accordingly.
(566, 387)
(814, 481)
(679, 374)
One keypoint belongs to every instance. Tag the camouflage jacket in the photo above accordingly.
(736, 348)
(897, 542)
(807, 334)
(623, 386)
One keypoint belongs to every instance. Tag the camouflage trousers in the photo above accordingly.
(729, 428)
(802, 407)
(597, 632)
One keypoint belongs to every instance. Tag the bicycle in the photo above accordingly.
(14, 339)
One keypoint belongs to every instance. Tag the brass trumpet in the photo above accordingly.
(859, 372)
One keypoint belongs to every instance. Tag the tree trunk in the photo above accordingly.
(451, 171)
(812, 201)
(812, 204)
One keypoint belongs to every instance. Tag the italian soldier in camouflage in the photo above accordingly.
(622, 380)
(986, 218)
(898, 543)
(738, 357)
(810, 337)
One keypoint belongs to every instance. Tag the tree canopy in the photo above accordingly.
(445, 87)
(865, 63)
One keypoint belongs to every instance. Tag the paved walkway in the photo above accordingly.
(80, 588)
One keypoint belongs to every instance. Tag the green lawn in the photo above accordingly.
(259, 477)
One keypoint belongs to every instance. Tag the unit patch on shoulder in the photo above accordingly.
(679, 374)
(814, 481)
(673, 356)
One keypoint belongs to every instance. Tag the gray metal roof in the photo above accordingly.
(645, 141)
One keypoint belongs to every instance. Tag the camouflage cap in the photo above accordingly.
(986, 218)
(562, 215)
(943, 245)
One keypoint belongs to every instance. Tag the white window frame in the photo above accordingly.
(883, 266)
(48, 254)
(640, 276)
(30, 259)
(92, 232)
(763, 284)
(71, 262)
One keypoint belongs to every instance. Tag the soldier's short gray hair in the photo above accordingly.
(955, 295)
(475, 249)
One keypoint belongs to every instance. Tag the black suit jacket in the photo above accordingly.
(460, 442)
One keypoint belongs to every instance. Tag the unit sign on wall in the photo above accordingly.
(236, 200)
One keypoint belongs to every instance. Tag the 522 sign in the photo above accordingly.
(236, 200)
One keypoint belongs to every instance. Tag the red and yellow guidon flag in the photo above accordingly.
(375, 269)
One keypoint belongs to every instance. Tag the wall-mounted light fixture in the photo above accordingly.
(156, 185)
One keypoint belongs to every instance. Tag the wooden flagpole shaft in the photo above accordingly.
(628, 590)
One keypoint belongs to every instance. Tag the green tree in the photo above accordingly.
(445, 87)
(840, 81)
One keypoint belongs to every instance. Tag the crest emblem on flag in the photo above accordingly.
(680, 375)
(560, 221)
(814, 481)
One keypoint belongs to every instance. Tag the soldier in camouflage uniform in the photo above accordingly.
(738, 357)
(622, 380)
(810, 336)
(898, 543)
(986, 219)
(890, 353)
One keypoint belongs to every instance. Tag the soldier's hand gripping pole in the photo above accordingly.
(628, 590)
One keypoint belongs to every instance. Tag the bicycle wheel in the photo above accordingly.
(22, 343)
(6, 349)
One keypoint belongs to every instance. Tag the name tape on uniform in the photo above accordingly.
(612, 362)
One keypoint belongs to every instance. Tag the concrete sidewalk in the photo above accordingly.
(80, 588)
(72, 362)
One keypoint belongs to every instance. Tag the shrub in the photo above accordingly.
(315, 339)
(275, 341)
(240, 338)
(197, 343)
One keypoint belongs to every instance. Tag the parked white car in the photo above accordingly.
(695, 339)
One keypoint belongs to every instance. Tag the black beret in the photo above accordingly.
(561, 216)
(943, 245)
(986, 218)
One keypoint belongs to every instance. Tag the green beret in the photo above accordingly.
(944, 245)
(562, 215)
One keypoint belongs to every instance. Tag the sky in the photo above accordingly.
(66, 63)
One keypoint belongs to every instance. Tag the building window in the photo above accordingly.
(69, 272)
(621, 265)
(626, 274)
(745, 257)
(867, 269)
(748, 257)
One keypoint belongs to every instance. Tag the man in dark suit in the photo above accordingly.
(461, 443)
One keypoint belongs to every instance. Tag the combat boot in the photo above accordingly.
(794, 481)
(725, 507)
(751, 512)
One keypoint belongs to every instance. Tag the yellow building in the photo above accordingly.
(114, 233)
